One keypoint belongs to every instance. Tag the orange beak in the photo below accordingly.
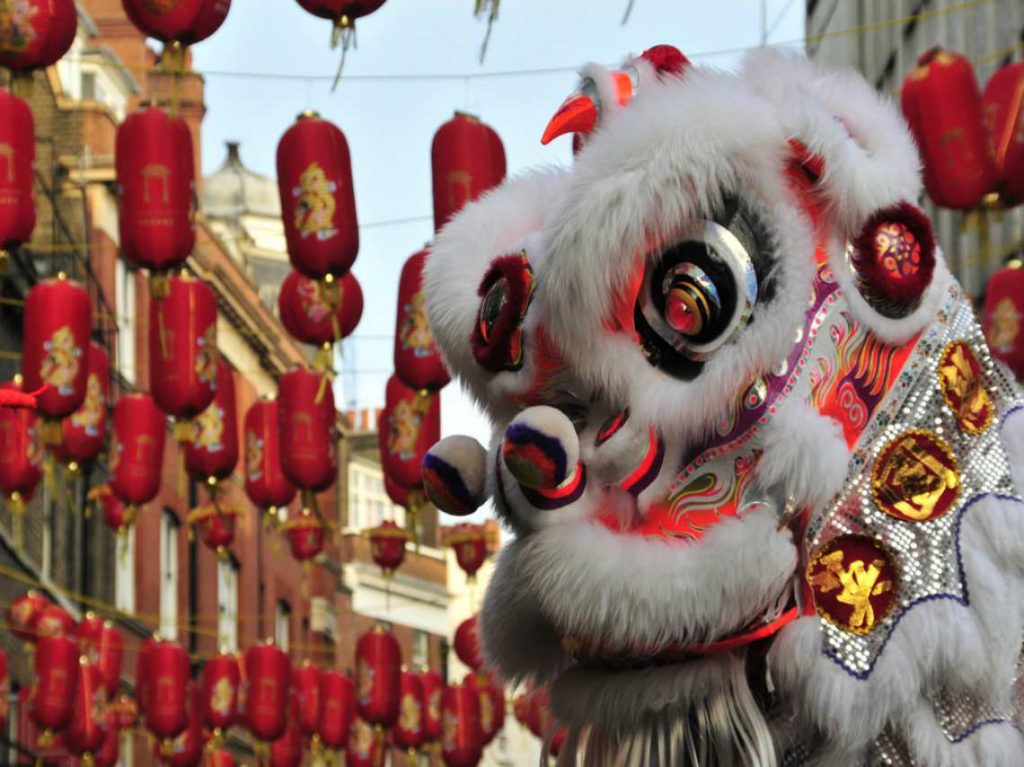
(578, 114)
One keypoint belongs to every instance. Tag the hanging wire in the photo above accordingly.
(626, 15)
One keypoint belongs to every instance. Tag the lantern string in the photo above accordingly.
(440, 76)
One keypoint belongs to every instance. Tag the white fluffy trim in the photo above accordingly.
(870, 158)
(806, 458)
(621, 590)
(518, 641)
(501, 222)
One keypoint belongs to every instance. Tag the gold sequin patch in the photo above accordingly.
(854, 582)
(960, 381)
(916, 477)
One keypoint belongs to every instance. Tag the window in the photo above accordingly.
(368, 502)
(125, 298)
(282, 624)
(124, 571)
(169, 575)
(420, 648)
(88, 86)
(227, 603)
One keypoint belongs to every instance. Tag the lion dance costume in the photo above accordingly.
(762, 469)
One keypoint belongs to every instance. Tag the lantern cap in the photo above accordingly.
(467, 116)
(308, 114)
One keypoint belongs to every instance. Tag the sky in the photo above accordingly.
(417, 62)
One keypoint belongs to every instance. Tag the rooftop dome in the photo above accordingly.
(233, 190)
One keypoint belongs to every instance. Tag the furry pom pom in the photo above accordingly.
(808, 459)
(454, 475)
(894, 256)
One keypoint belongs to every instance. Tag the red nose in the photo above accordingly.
(578, 114)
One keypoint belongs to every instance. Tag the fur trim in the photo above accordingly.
(502, 221)
(806, 458)
(871, 161)
(627, 591)
(517, 640)
(1012, 433)
(648, 172)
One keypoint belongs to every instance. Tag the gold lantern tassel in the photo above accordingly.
(16, 505)
(159, 287)
(344, 32)
(161, 326)
(183, 432)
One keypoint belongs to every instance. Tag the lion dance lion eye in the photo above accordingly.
(491, 308)
(691, 299)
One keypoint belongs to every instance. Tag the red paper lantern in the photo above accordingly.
(122, 712)
(319, 312)
(84, 432)
(166, 705)
(212, 452)
(337, 696)
(306, 426)
(470, 545)
(520, 708)
(186, 749)
(401, 495)
(52, 621)
(408, 731)
(142, 676)
(156, 172)
(35, 34)
(183, 21)
(136, 450)
(110, 750)
(366, 746)
(378, 672)
(102, 645)
(538, 712)
(467, 158)
(387, 546)
(418, 363)
(17, 131)
(461, 736)
(318, 204)
(218, 696)
(492, 703)
(1003, 115)
(22, 610)
(183, 353)
(286, 751)
(307, 682)
(305, 534)
(217, 522)
(1003, 317)
(467, 644)
(433, 685)
(21, 453)
(114, 512)
(53, 695)
(268, 675)
(265, 482)
(87, 727)
(410, 425)
(55, 351)
(942, 105)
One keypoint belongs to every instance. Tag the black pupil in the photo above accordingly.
(490, 309)
(717, 272)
